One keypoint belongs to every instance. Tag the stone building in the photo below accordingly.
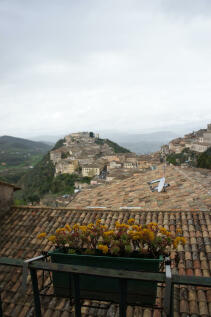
(200, 146)
(177, 145)
(203, 141)
(129, 165)
(111, 158)
(91, 170)
(55, 156)
(143, 165)
(114, 164)
(207, 135)
(66, 167)
(6, 197)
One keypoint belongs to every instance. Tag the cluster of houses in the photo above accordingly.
(198, 141)
(82, 154)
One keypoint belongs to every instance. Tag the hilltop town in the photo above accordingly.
(89, 156)
(198, 141)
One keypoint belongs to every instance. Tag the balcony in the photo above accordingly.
(39, 284)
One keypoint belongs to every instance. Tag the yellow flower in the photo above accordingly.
(163, 230)
(108, 233)
(41, 235)
(179, 240)
(183, 240)
(135, 237)
(60, 230)
(139, 228)
(125, 226)
(135, 227)
(103, 248)
(68, 227)
(83, 228)
(148, 234)
(151, 236)
(152, 225)
(103, 227)
(131, 221)
(75, 226)
(52, 238)
(179, 230)
(90, 226)
(98, 221)
(121, 225)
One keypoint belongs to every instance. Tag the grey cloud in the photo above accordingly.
(84, 64)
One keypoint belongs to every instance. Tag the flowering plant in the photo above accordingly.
(128, 240)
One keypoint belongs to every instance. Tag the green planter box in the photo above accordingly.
(106, 288)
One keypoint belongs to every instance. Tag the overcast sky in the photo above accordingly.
(72, 65)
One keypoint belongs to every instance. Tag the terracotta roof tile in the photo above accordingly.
(188, 190)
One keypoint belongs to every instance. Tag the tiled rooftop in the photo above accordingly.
(18, 240)
(188, 190)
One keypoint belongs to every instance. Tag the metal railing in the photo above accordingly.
(33, 265)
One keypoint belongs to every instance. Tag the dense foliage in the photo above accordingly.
(58, 144)
(64, 183)
(193, 159)
(204, 159)
(185, 156)
(116, 147)
(39, 179)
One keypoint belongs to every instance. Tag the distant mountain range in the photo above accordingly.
(143, 143)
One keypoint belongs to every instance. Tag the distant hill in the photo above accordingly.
(116, 147)
(143, 143)
(10, 143)
(144, 147)
(17, 155)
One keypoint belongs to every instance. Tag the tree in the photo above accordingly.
(33, 198)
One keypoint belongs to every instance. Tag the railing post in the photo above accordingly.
(77, 295)
(33, 273)
(123, 297)
(168, 289)
(1, 311)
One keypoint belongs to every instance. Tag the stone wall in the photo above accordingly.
(6, 198)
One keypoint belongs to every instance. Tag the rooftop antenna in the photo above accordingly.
(162, 185)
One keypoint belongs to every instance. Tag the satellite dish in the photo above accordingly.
(161, 184)
(155, 181)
